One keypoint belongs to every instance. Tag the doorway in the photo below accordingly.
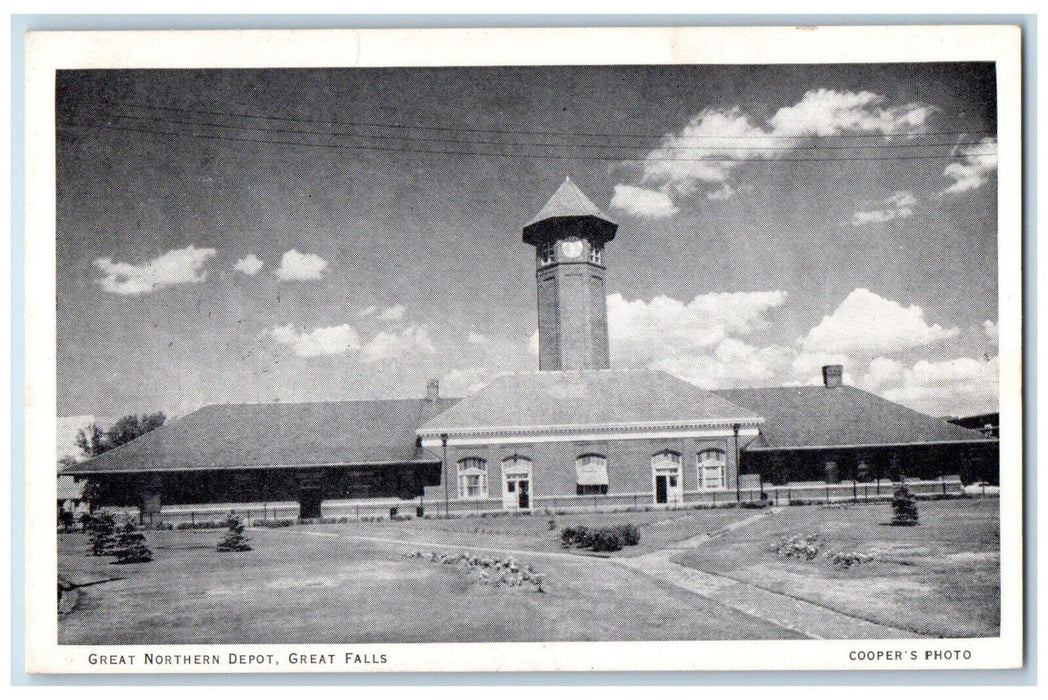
(516, 483)
(666, 475)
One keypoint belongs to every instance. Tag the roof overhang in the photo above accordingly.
(873, 445)
(246, 467)
(636, 427)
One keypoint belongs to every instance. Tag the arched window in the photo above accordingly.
(591, 475)
(473, 478)
(711, 469)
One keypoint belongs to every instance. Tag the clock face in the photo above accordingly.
(572, 249)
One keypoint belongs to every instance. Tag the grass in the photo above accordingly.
(940, 578)
(659, 529)
(322, 584)
(298, 587)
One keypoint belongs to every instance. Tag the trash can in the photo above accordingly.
(392, 513)
(419, 511)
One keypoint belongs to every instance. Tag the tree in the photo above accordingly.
(131, 546)
(904, 506)
(234, 541)
(94, 441)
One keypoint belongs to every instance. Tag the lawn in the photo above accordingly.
(308, 584)
(659, 528)
(940, 578)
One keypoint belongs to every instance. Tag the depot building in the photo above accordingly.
(575, 432)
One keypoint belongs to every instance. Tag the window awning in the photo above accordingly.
(591, 472)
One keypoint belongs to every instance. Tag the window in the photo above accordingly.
(596, 255)
(591, 475)
(546, 253)
(711, 469)
(473, 478)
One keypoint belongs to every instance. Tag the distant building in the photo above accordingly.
(576, 431)
(989, 424)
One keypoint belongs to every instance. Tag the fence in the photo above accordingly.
(793, 493)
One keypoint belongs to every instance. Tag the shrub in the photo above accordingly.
(131, 545)
(102, 526)
(606, 540)
(630, 534)
(234, 541)
(603, 539)
(904, 507)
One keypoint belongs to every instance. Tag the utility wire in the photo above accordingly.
(476, 142)
(379, 125)
(525, 156)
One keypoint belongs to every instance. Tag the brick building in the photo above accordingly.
(575, 432)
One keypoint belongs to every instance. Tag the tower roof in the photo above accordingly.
(569, 211)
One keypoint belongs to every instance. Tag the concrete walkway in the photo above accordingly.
(810, 619)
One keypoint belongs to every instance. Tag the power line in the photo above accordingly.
(524, 132)
(525, 156)
(475, 142)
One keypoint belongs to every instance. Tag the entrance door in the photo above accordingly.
(660, 488)
(666, 473)
(516, 483)
(523, 495)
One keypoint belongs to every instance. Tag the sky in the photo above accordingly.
(339, 234)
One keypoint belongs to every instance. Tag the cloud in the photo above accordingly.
(712, 144)
(392, 313)
(897, 206)
(867, 325)
(394, 346)
(533, 344)
(825, 112)
(960, 386)
(638, 201)
(332, 340)
(463, 382)
(978, 161)
(369, 311)
(249, 265)
(990, 329)
(732, 363)
(475, 338)
(182, 266)
(300, 266)
(643, 331)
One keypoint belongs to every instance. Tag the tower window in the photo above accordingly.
(546, 253)
(597, 255)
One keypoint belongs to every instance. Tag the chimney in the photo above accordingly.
(432, 390)
(831, 375)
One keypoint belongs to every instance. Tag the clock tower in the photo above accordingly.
(569, 236)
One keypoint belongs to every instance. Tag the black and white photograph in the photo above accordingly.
(700, 352)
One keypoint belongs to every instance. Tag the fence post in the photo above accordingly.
(943, 485)
(827, 493)
(855, 491)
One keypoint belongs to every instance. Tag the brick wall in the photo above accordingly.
(553, 464)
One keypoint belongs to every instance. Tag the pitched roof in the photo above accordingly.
(277, 434)
(567, 203)
(591, 398)
(815, 416)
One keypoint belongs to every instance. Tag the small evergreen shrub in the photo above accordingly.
(904, 507)
(234, 541)
(131, 546)
(102, 526)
